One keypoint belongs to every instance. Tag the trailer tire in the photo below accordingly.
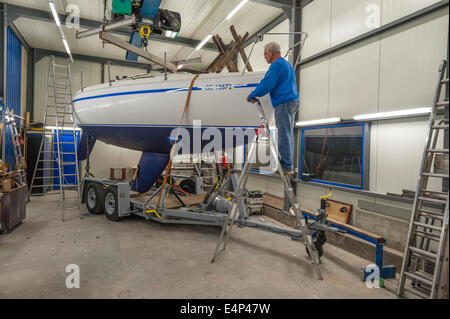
(188, 185)
(110, 205)
(94, 198)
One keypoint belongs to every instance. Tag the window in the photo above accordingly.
(336, 155)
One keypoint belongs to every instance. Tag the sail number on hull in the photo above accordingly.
(218, 87)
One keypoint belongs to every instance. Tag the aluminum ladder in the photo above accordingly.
(58, 134)
(240, 192)
(424, 263)
(10, 118)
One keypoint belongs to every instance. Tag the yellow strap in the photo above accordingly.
(326, 196)
(172, 151)
(150, 211)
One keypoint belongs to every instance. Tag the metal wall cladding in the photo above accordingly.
(13, 87)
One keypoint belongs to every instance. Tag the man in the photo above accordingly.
(280, 82)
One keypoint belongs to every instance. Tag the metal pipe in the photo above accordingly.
(109, 73)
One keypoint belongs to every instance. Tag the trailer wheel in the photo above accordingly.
(110, 206)
(94, 198)
(188, 185)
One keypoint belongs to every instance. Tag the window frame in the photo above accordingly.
(365, 171)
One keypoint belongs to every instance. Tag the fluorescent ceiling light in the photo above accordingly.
(203, 42)
(322, 121)
(55, 14)
(180, 66)
(393, 114)
(236, 9)
(66, 45)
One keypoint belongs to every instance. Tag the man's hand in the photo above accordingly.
(248, 100)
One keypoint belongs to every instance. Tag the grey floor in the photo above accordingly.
(134, 258)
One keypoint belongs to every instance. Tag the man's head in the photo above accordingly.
(272, 52)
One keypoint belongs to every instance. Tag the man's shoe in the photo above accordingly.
(288, 172)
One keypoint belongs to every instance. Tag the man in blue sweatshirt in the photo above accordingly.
(280, 82)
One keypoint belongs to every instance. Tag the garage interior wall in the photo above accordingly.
(103, 156)
(394, 71)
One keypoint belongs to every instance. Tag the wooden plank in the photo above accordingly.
(278, 203)
(171, 201)
(231, 50)
(338, 211)
(224, 61)
(238, 41)
(229, 61)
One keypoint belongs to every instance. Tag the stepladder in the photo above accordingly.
(424, 271)
(263, 133)
(17, 141)
(56, 171)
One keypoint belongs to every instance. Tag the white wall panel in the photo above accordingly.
(351, 18)
(91, 76)
(354, 80)
(396, 9)
(314, 87)
(104, 157)
(399, 154)
(316, 21)
(410, 58)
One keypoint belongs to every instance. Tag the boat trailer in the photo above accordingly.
(114, 200)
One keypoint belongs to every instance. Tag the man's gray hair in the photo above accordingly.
(273, 47)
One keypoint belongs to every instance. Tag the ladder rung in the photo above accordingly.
(428, 235)
(60, 75)
(59, 107)
(423, 252)
(48, 185)
(445, 81)
(433, 215)
(61, 66)
(67, 153)
(417, 292)
(428, 226)
(440, 127)
(45, 169)
(434, 193)
(442, 103)
(432, 200)
(436, 150)
(435, 175)
(55, 142)
(418, 278)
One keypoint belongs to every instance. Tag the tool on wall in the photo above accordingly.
(424, 263)
(17, 142)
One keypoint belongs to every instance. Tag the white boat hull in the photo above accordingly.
(140, 114)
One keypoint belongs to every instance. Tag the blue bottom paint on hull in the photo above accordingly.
(150, 139)
(150, 168)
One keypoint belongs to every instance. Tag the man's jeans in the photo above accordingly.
(285, 119)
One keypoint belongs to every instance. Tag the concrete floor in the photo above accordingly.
(134, 258)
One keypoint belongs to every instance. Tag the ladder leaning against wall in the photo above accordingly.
(56, 170)
(425, 262)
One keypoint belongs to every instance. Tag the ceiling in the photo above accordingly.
(198, 19)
